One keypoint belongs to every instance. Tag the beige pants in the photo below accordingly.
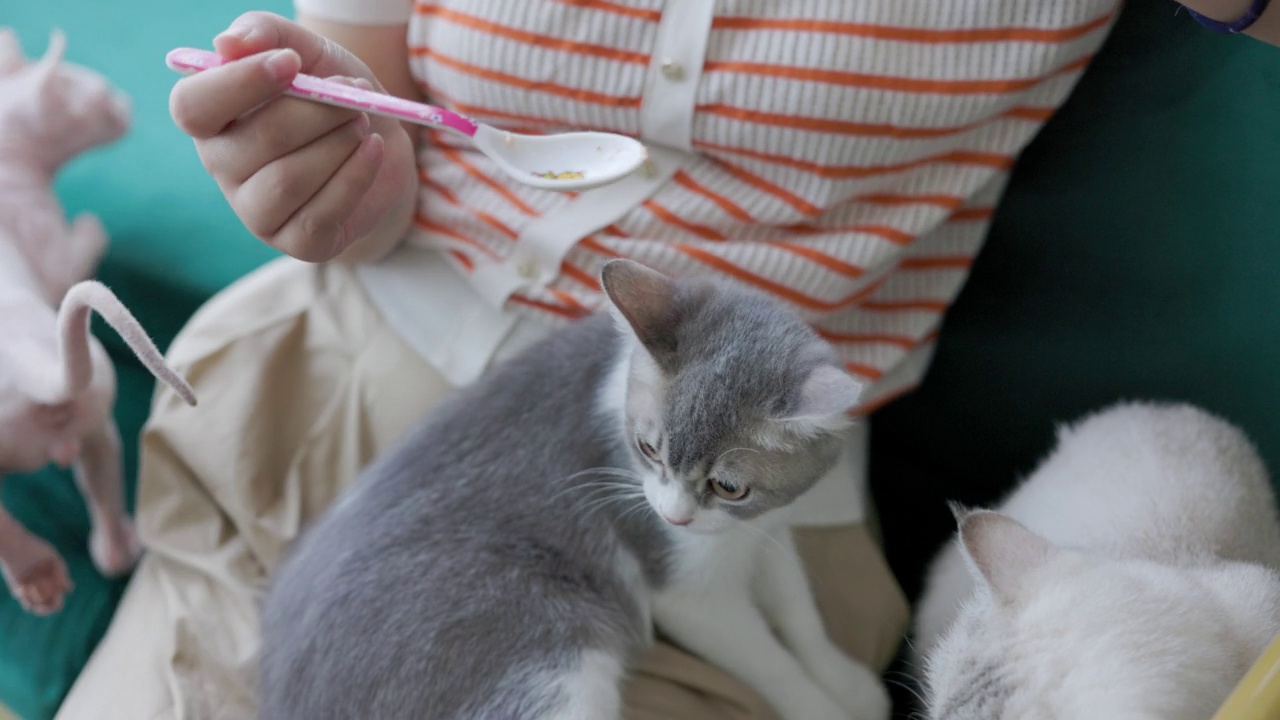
(301, 384)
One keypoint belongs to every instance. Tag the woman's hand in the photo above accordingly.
(308, 179)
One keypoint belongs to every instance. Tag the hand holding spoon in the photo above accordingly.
(564, 161)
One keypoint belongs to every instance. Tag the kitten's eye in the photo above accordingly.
(727, 491)
(648, 450)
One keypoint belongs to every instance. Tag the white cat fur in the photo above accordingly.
(1149, 586)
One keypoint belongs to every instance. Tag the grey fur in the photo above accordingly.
(480, 559)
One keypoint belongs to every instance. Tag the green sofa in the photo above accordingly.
(1134, 257)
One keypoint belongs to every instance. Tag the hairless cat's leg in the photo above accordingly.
(113, 544)
(86, 242)
(34, 571)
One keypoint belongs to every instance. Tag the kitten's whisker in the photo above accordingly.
(772, 539)
(814, 582)
(639, 508)
(586, 490)
(600, 503)
(595, 502)
(604, 482)
(606, 471)
(593, 487)
(910, 688)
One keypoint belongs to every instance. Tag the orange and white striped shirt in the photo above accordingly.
(844, 156)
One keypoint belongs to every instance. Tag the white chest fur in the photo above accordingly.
(740, 599)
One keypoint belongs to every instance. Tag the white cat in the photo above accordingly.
(1135, 574)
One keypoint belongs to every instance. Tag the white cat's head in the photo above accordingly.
(1059, 634)
(733, 405)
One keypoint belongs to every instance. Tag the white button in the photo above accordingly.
(528, 269)
(672, 70)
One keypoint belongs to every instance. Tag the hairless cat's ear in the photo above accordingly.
(11, 59)
(646, 300)
(1001, 551)
(823, 403)
(53, 55)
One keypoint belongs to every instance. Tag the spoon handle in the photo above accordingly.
(309, 87)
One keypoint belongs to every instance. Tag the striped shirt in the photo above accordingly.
(843, 156)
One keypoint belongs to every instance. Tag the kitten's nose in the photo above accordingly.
(681, 522)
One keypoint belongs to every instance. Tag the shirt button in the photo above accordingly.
(672, 70)
(528, 269)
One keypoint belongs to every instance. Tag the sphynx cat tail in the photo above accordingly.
(73, 338)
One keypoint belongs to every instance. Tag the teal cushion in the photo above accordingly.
(1134, 256)
(174, 243)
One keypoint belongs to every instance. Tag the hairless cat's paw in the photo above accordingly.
(115, 550)
(36, 575)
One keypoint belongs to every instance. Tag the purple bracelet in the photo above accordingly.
(1240, 24)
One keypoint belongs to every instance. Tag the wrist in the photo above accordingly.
(1220, 10)
(1229, 16)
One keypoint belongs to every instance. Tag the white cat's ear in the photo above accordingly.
(11, 59)
(826, 398)
(1002, 551)
(645, 299)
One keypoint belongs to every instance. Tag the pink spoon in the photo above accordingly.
(565, 161)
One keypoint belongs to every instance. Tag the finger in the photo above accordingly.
(322, 228)
(205, 103)
(38, 598)
(272, 195)
(267, 134)
(256, 31)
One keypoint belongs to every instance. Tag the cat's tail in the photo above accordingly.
(74, 349)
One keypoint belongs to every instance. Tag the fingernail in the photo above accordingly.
(283, 65)
(361, 123)
(235, 33)
(372, 146)
(363, 84)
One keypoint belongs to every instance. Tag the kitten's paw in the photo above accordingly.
(115, 548)
(851, 684)
(36, 575)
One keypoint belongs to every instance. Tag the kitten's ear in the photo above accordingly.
(1002, 550)
(11, 59)
(646, 300)
(826, 398)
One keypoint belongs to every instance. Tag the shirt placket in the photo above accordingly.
(666, 128)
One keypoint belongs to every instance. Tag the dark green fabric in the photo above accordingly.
(1133, 258)
(1136, 255)
(174, 243)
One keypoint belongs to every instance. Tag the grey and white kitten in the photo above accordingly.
(1135, 575)
(509, 560)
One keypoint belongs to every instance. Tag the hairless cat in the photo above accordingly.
(57, 385)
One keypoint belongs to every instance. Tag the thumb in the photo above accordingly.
(257, 31)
